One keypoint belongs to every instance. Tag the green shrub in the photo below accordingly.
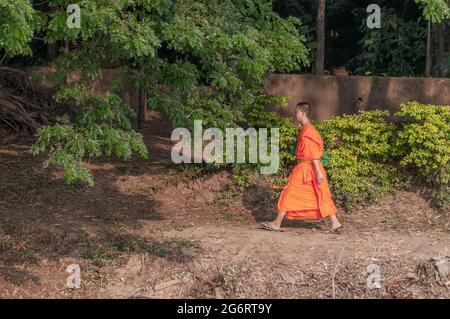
(103, 129)
(259, 117)
(359, 146)
(366, 134)
(240, 178)
(360, 153)
(356, 179)
(369, 155)
(423, 143)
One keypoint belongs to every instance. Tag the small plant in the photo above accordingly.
(422, 143)
(240, 177)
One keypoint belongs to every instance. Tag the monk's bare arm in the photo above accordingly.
(318, 171)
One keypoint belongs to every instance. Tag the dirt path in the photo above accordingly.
(245, 261)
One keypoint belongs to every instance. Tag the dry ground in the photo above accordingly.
(148, 230)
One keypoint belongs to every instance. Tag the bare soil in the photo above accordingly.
(148, 229)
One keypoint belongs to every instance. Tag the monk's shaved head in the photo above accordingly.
(304, 107)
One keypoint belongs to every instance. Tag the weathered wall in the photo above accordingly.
(335, 95)
(329, 95)
(130, 93)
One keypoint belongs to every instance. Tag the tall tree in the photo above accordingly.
(171, 48)
(434, 11)
(320, 53)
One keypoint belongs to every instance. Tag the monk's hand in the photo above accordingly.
(320, 178)
(318, 171)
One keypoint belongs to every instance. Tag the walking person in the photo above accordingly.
(307, 194)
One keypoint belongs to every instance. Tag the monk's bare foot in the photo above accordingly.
(335, 226)
(275, 225)
(271, 225)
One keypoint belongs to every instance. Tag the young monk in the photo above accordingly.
(307, 195)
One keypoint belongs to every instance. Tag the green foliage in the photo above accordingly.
(122, 25)
(228, 47)
(434, 10)
(370, 155)
(197, 59)
(104, 128)
(406, 36)
(361, 166)
(423, 140)
(359, 147)
(365, 134)
(239, 178)
(18, 22)
(444, 66)
(259, 117)
(397, 49)
(423, 143)
(355, 180)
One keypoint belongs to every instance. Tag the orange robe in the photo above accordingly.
(303, 197)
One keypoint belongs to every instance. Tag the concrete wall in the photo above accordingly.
(329, 95)
(336, 95)
(130, 94)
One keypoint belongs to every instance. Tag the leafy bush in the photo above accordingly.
(18, 22)
(369, 155)
(434, 10)
(171, 48)
(395, 49)
(359, 147)
(104, 128)
(423, 143)
(259, 117)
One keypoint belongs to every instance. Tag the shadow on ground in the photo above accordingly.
(43, 218)
(262, 203)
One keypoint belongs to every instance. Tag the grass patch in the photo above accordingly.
(172, 249)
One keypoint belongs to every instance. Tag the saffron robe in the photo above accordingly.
(303, 197)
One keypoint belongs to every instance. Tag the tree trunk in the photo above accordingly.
(440, 55)
(142, 105)
(52, 51)
(320, 53)
(428, 63)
